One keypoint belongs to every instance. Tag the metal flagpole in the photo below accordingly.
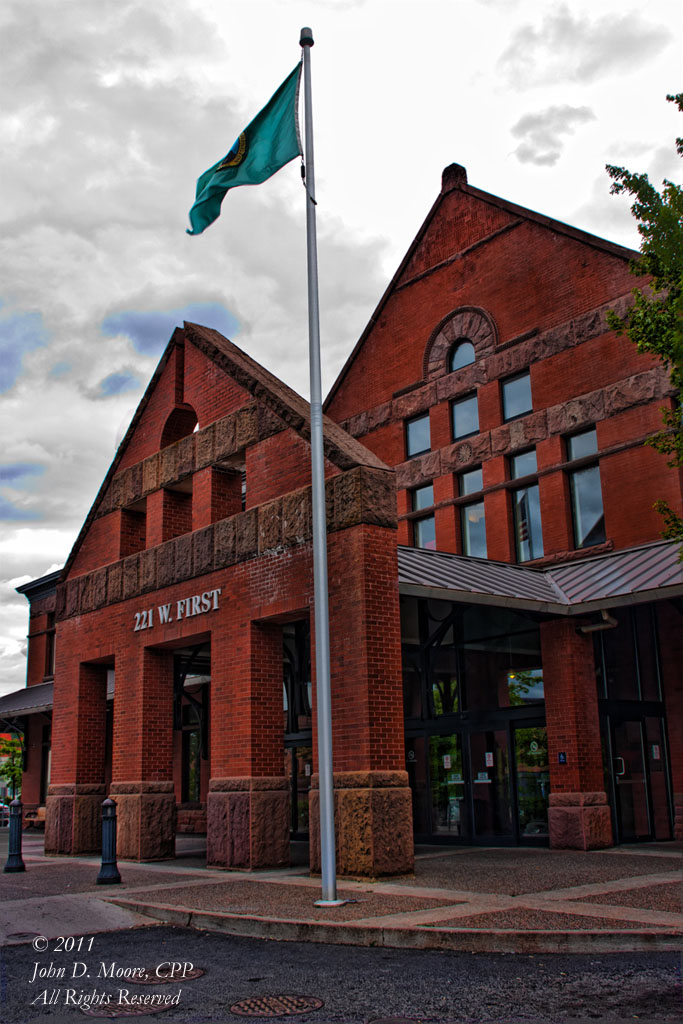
(322, 629)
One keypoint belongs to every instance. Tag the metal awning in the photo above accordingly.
(28, 701)
(652, 572)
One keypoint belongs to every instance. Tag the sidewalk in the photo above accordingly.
(465, 898)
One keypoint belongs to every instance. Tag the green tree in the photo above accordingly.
(655, 321)
(11, 764)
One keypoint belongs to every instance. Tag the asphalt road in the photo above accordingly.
(355, 985)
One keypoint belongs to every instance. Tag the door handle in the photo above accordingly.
(621, 762)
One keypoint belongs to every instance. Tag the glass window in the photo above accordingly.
(585, 443)
(465, 416)
(470, 483)
(424, 533)
(422, 497)
(462, 354)
(417, 435)
(473, 529)
(528, 531)
(516, 396)
(587, 512)
(523, 464)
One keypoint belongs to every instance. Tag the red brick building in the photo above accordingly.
(490, 523)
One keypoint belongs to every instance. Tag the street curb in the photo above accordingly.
(491, 940)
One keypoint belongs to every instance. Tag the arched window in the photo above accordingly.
(181, 422)
(462, 354)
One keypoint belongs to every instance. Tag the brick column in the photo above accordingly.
(373, 818)
(76, 792)
(578, 816)
(248, 800)
(142, 769)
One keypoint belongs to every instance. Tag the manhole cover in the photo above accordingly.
(122, 1010)
(150, 977)
(275, 1006)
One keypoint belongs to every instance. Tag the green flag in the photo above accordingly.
(268, 142)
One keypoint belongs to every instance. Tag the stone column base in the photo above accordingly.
(579, 821)
(373, 823)
(247, 822)
(145, 813)
(73, 818)
(678, 815)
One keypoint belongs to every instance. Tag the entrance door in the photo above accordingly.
(490, 774)
(299, 767)
(639, 779)
(532, 777)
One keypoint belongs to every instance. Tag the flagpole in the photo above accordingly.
(322, 628)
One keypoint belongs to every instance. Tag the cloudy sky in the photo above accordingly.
(112, 109)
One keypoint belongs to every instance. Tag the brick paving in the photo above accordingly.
(488, 899)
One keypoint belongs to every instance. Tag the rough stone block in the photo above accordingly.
(269, 526)
(374, 825)
(224, 437)
(145, 820)
(378, 497)
(246, 427)
(167, 465)
(73, 597)
(185, 456)
(165, 554)
(248, 823)
(202, 550)
(150, 474)
(148, 570)
(183, 557)
(114, 582)
(131, 576)
(224, 542)
(246, 535)
(296, 517)
(579, 821)
(203, 447)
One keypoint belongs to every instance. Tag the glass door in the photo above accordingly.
(532, 777)
(490, 774)
(640, 783)
(449, 808)
(630, 781)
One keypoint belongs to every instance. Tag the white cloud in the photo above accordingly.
(574, 46)
(541, 133)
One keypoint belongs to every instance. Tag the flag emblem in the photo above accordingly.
(237, 153)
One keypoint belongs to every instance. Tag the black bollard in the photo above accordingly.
(109, 873)
(16, 814)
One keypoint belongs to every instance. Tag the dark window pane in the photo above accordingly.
(589, 520)
(423, 497)
(619, 654)
(648, 660)
(585, 443)
(417, 435)
(473, 529)
(462, 354)
(516, 396)
(470, 482)
(424, 533)
(523, 464)
(465, 417)
(528, 531)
